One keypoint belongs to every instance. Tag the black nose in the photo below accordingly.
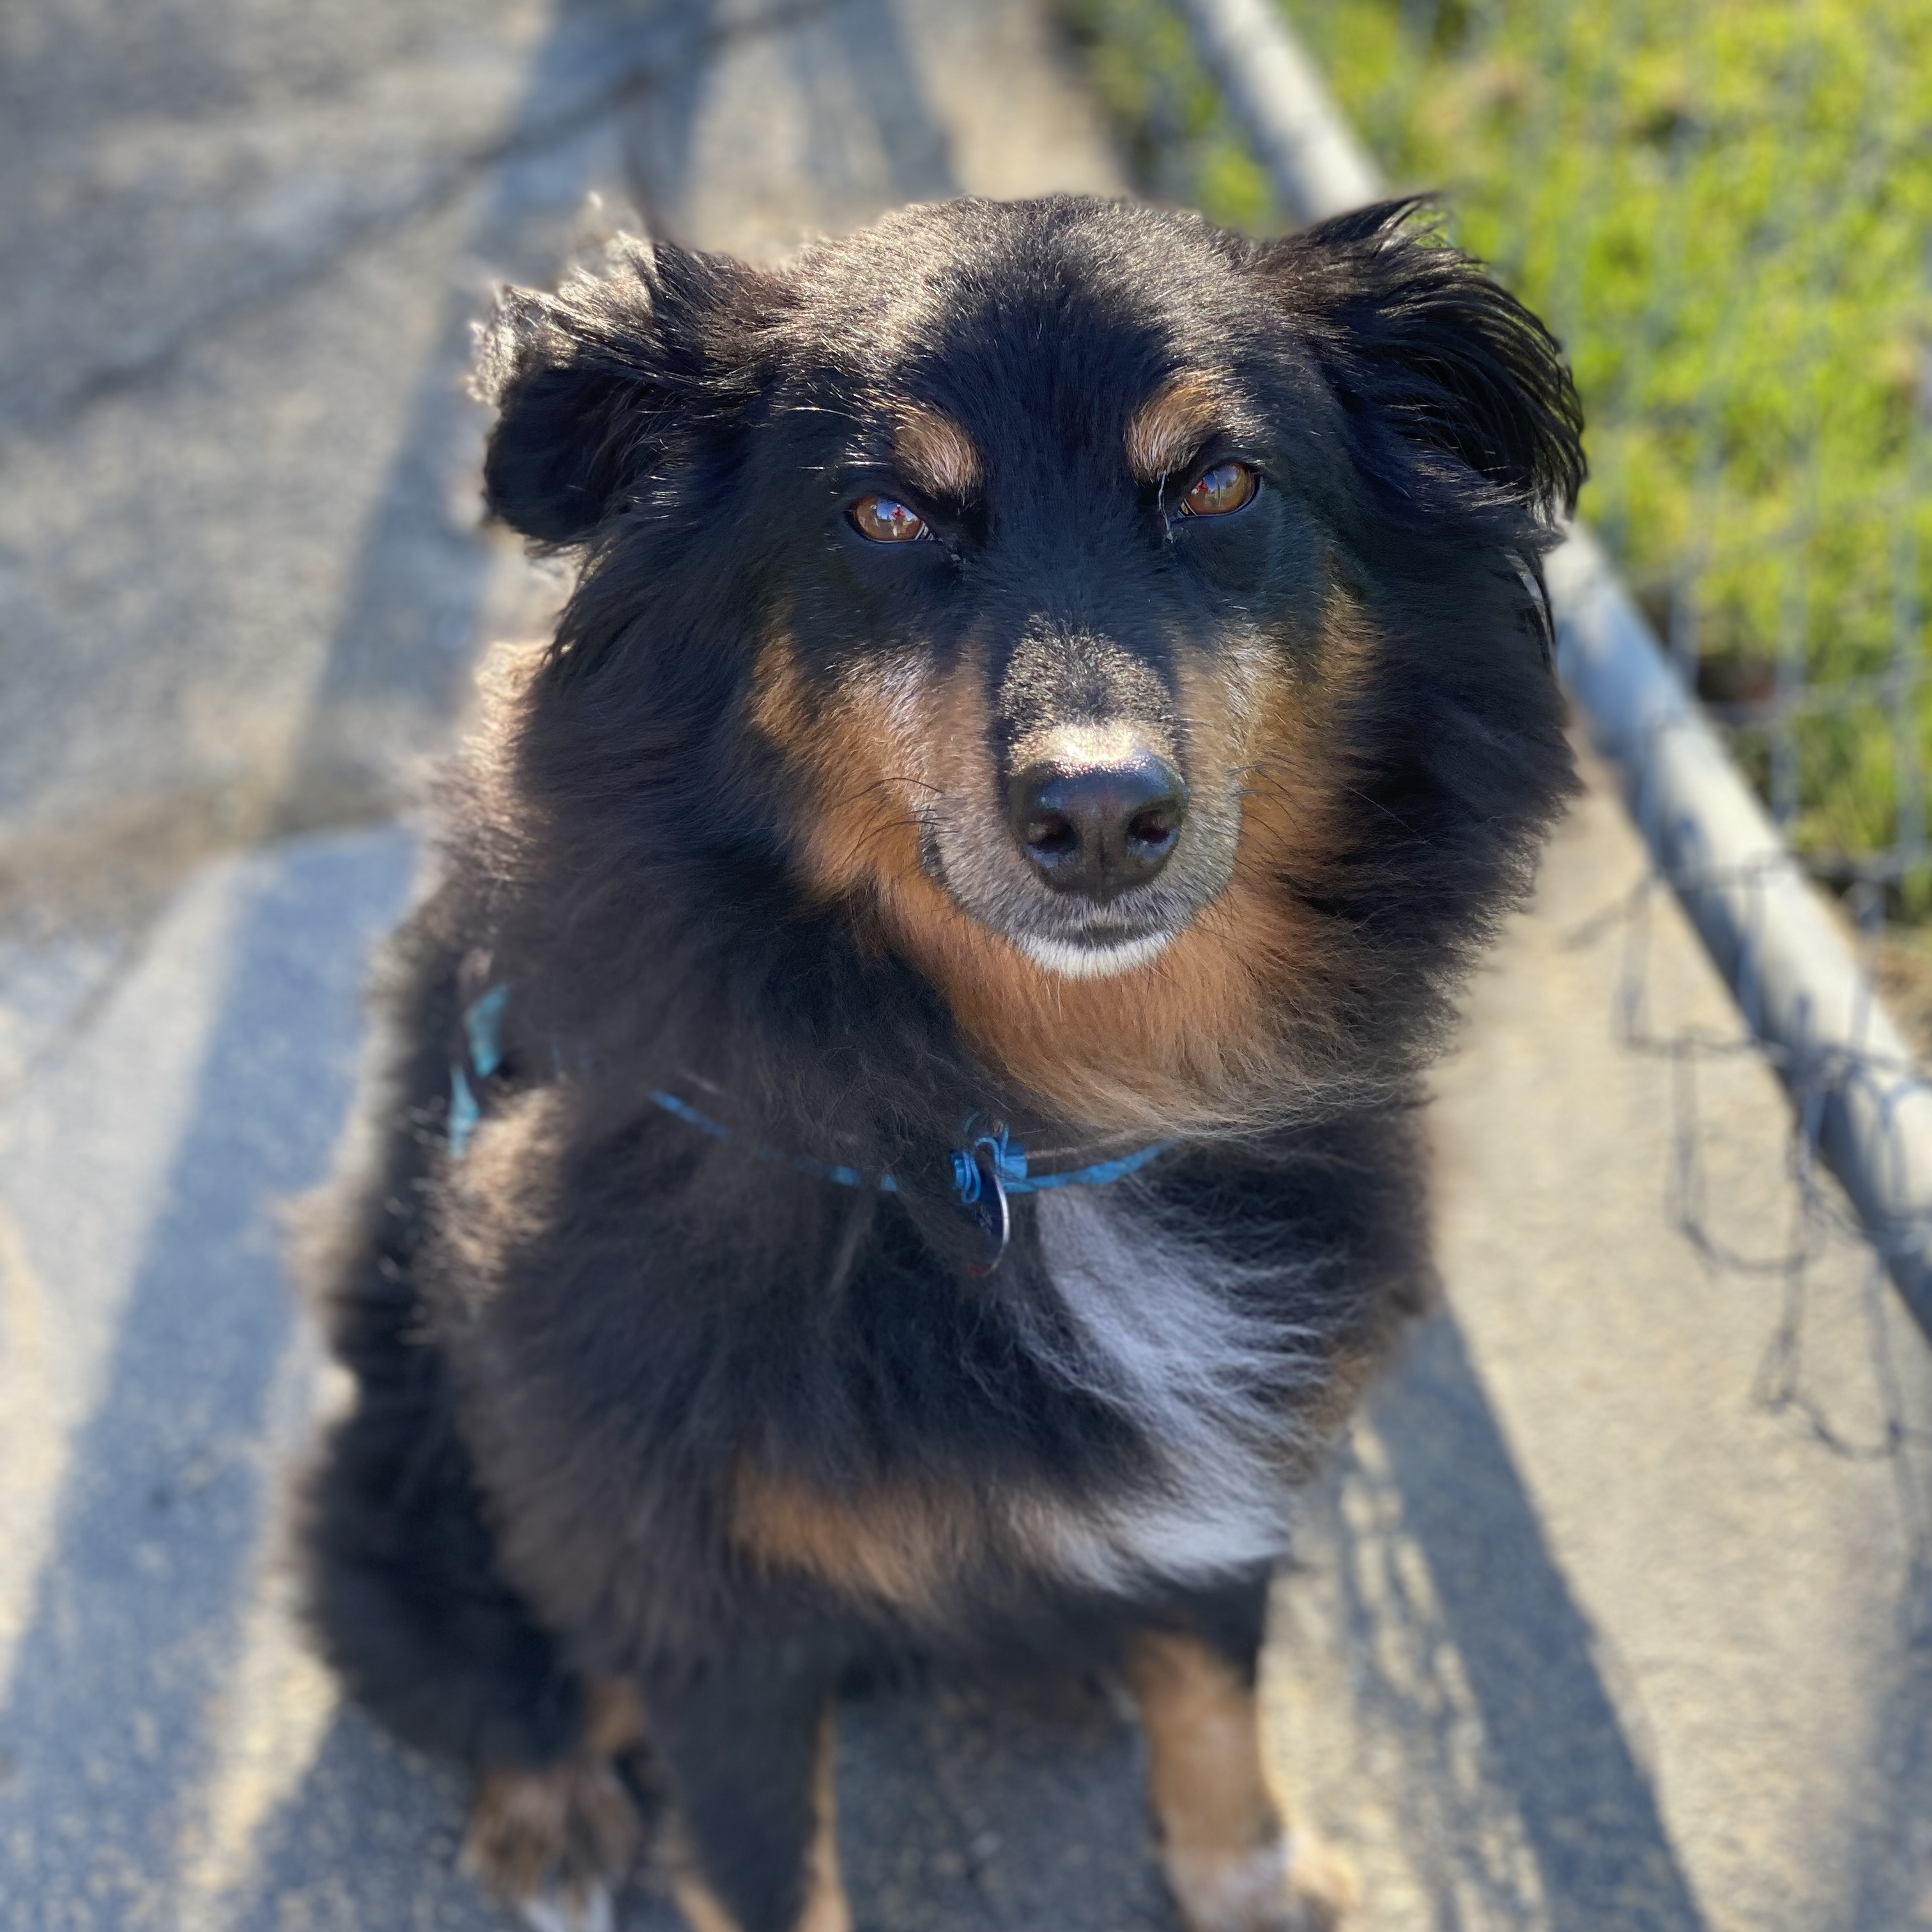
(1099, 829)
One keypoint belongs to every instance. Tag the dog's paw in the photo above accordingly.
(1294, 1884)
(555, 1843)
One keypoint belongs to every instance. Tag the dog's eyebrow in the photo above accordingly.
(1170, 426)
(935, 453)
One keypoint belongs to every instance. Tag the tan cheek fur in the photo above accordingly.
(1228, 1012)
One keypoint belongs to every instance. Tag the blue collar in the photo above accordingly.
(989, 1168)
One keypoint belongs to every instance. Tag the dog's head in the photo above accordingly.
(1137, 627)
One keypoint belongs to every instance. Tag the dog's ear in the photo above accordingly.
(595, 384)
(1414, 331)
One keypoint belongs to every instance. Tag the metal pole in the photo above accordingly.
(1794, 978)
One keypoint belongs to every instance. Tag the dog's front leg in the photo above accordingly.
(746, 1748)
(1231, 1862)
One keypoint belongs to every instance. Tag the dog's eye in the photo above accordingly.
(1228, 486)
(884, 520)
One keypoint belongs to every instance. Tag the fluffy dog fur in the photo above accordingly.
(660, 1433)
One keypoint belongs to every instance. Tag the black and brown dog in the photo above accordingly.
(899, 1134)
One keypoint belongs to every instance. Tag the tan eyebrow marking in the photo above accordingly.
(936, 453)
(1170, 426)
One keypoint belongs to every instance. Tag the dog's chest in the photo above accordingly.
(1206, 1376)
(1212, 1388)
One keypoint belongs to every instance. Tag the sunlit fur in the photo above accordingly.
(1171, 425)
(644, 1405)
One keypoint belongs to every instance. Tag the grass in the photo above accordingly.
(1724, 209)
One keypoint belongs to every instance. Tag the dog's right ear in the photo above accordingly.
(594, 384)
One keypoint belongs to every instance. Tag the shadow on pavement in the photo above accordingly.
(368, 1841)
(1518, 1793)
(1889, 1852)
(118, 1681)
(398, 663)
(865, 140)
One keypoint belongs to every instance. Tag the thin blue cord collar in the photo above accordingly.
(985, 1172)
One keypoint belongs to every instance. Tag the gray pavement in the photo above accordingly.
(1588, 1636)
(1584, 1637)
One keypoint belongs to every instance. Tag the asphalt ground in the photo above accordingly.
(1584, 1635)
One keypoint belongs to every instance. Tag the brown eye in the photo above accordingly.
(884, 520)
(1228, 486)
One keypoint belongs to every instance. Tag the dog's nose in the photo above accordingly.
(1099, 830)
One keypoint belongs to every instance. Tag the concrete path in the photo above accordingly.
(1585, 1637)
(1589, 1636)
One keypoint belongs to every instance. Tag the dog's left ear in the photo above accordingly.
(596, 384)
(1411, 332)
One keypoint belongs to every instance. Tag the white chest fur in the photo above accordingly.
(1174, 1338)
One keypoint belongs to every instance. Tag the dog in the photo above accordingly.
(897, 1142)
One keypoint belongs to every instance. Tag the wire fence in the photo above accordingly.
(1819, 1262)
(1725, 214)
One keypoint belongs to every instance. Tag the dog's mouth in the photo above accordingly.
(1094, 955)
